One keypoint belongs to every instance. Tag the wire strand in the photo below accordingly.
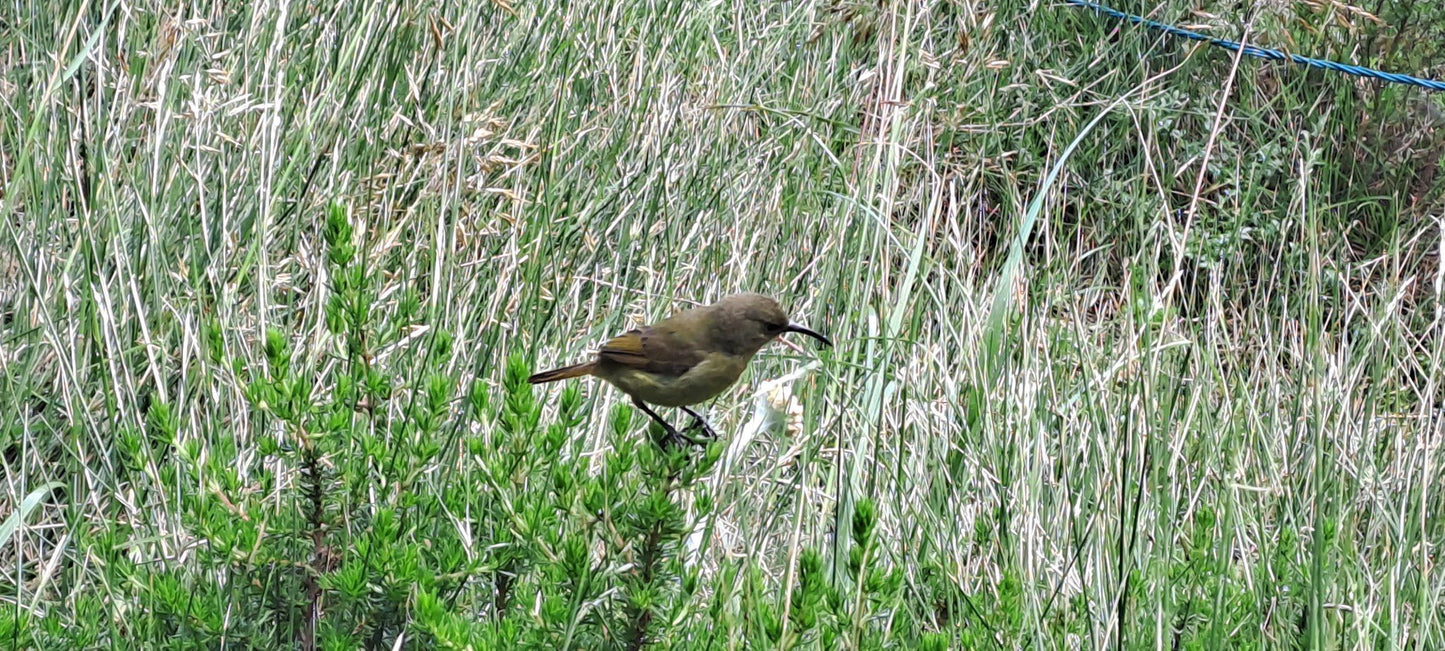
(1263, 53)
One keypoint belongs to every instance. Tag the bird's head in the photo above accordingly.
(760, 319)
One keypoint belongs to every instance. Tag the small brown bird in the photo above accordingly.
(688, 357)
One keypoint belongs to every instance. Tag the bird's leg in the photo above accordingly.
(698, 422)
(673, 435)
(667, 427)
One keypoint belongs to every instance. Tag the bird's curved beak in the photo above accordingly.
(793, 327)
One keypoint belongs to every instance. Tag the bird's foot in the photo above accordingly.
(671, 436)
(679, 437)
(700, 423)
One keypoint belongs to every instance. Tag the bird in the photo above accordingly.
(687, 358)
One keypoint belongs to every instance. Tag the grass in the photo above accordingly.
(270, 277)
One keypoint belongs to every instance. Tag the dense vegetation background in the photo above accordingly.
(271, 275)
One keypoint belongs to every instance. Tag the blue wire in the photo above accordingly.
(1263, 53)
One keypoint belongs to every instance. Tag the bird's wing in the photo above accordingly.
(642, 349)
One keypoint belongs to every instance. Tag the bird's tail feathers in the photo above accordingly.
(575, 370)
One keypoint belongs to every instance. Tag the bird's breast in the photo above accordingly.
(703, 381)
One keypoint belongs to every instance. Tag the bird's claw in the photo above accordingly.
(679, 437)
(700, 423)
(671, 436)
